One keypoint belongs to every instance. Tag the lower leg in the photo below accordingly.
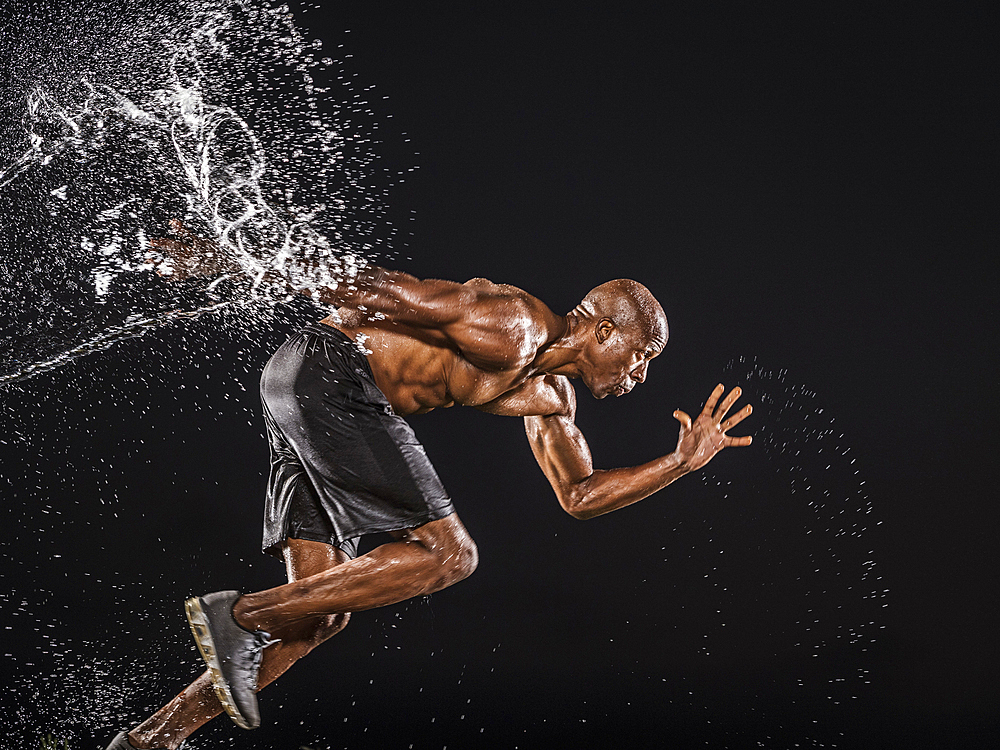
(424, 560)
(197, 704)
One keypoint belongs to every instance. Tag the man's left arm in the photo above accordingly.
(564, 456)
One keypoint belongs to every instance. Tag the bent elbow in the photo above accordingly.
(574, 502)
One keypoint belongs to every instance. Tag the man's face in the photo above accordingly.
(619, 359)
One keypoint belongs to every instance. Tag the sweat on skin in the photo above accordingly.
(435, 343)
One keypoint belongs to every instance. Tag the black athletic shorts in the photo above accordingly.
(342, 463)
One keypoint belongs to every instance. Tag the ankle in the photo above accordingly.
(254, 613)
(243, 614)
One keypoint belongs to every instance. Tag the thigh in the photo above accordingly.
(443, 531)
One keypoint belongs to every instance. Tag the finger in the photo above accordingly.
(683, 418)
(737, 442)
(727, 403)
(738, 417)
(713, 399)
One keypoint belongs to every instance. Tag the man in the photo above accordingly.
(344, 463)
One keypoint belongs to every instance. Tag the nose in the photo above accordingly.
(639, 373)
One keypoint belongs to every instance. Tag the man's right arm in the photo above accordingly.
(368, 288)
(495, 329)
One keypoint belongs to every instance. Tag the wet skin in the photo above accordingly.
(436, 343)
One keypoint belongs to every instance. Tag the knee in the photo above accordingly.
(452, 550)
(471, 554)
(463, 561)
(459, 559)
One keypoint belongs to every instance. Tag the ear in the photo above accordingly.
(605, 327)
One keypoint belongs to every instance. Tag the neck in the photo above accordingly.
(562, 356)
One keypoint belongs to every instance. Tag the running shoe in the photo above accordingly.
(232, 653)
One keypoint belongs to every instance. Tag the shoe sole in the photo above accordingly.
(206, 646)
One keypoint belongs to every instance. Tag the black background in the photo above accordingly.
(814, 189)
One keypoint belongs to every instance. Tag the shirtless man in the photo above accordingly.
(344, 463)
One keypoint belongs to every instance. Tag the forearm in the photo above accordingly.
(378, 292)
(606, 490)
(367, 288)
(344, 280)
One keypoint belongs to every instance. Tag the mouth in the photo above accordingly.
(621, 389)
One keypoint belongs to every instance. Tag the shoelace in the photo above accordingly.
(255, 651)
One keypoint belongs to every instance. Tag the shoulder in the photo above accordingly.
(525, 313)
(562, 395)
(484, 289)
(544, 395)
(505, 323)
(549, 395)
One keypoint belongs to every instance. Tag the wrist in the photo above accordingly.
(681, 465)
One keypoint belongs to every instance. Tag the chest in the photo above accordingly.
(470, 385)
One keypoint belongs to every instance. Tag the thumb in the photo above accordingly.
(683, 418)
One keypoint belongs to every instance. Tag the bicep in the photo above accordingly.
(562, 453)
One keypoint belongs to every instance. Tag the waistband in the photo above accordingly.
(341, 340)
(326, 331)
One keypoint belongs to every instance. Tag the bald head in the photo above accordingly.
(623, 328)
(630, 306)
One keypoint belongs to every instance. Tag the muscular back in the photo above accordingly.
(481, 352)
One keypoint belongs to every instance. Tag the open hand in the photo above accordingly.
(188, 256)
(701, 439)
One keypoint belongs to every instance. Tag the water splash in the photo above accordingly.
(210, 112)
(115, 117)
(824, 566)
